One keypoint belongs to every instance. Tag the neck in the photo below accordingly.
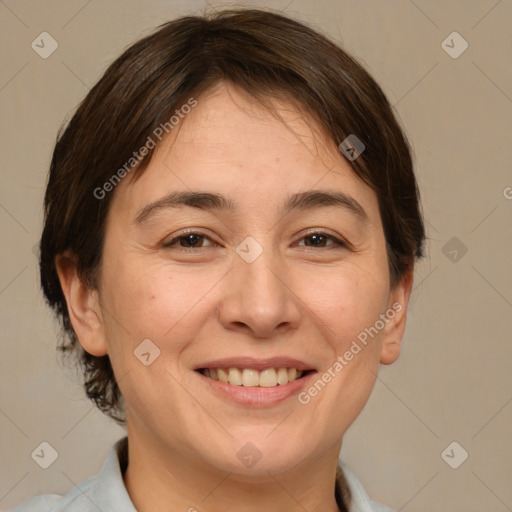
(166, 479)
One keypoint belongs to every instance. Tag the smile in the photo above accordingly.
(249, 377)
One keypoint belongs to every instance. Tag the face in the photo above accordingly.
(288, 269)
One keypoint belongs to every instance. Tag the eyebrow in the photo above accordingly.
(214, 201)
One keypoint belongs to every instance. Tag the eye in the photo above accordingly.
(194, 240)
(320, 238)
(188, 240)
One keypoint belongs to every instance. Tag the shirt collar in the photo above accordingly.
(111, 493)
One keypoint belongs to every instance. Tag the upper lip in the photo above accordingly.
(256, 364)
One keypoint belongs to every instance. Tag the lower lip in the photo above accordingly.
(256, 396)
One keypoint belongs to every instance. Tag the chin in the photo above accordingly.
(247, 458)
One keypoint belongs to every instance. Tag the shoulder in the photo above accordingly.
(76, 500)
(70, 502)
(360, 499)
(43, 503)
(79, 499)
(101, 492)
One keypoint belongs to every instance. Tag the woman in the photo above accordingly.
(231, 226)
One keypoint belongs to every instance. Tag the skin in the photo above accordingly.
(296, 299)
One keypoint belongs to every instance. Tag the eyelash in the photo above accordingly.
(167, 245)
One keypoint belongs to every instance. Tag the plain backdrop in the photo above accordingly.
(453, 381)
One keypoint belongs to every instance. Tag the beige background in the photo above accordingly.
(453, 381)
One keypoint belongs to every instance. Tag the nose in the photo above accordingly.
(258, 299)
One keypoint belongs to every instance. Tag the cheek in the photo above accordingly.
(347, 303)
(151, 300)
(347, 306)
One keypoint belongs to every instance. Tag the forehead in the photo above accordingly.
(230, 122)
(229, 143)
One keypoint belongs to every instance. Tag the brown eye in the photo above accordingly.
(316, 240)
(191, 240)
(320, 239)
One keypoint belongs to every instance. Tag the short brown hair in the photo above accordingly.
(266, 54)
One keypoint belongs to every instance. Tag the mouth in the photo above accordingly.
(255, 382)
(250, 377)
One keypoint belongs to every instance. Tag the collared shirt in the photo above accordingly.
(106, 491)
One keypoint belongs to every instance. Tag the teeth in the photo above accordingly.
(223, 375)
(268, 378)
(235, 377)
(282, 376)
(248, 377)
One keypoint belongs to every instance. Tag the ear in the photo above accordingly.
(395, 327)
(83, 306)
